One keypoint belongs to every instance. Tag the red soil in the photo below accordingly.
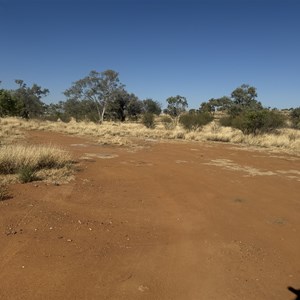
(160, 222)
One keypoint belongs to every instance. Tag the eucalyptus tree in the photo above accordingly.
(151, 106)
(29, 99)
(99, 87)
(176, 106)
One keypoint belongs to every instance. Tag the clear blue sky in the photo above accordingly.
(198, 49)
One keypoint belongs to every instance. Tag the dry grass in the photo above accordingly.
(124, 133)
(10, 131)
(4, 194)
(13, 158)
(44, 162)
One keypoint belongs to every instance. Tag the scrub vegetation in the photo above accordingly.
(98, 105)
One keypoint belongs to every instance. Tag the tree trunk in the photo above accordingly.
(102, 115)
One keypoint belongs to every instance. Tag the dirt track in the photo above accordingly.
(165, 221)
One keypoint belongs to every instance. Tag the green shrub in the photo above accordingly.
(226, 121)
(194, 121)
(27, 174)
(295, 118)
(258, 121)
(148, 120)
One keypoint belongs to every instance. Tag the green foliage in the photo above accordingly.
(176, 106)
(27, 174)
(29, 100)
(195, 121)
(24, 101)
(124, 105)
(258, 121)
(99, 88)
(244, 95)
(117, 108)
(151, 106)
(226, 121)
(213, 104)
(55, 111)
(134, 109)
(8, 104)
(243, 99)
(295, 117)
(80, 110)
(148, 120)
(248, 115)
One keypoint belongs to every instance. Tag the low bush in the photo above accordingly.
(194, 121)
(27, 174)
(226, 121)
(258, 121)
(295, 118)
(148, 120)
(255, 121)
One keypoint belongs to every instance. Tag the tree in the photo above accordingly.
(295, 117)
(80, 110)
(29, 99)
(206, 107)
(134, 108)
(56, 111)
(176, 105)
(248, 114)
(244, 97)
(213, 104)
(123, 105)
(152, 106)
(8, 104)
(97, 87)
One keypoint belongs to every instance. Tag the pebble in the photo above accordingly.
(143, 288)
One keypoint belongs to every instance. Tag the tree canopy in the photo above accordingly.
(151, 106)
(124, 105)
(97, 87)
(24, 101)
(176, 105)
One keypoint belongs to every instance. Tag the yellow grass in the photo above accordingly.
(125, 133)
(15, 157)
(10, 131)
(47, 163)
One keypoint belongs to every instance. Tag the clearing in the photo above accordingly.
(162, 220)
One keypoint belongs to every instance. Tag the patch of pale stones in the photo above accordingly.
(230, 165)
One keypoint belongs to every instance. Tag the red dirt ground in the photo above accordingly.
(163, 221)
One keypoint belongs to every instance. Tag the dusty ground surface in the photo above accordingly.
(163, 221)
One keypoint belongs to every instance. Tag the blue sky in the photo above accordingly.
(198, 49)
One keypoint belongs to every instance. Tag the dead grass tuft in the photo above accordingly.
(15, 158)
(4, 194)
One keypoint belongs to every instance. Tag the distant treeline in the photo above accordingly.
(101, 96)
